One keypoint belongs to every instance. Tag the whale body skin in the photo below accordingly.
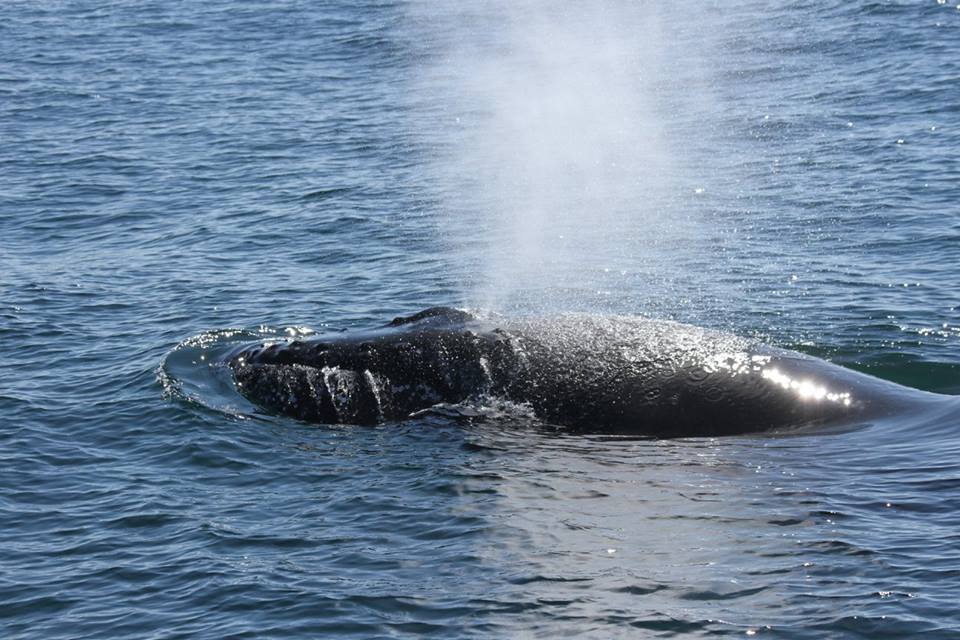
(597, 373)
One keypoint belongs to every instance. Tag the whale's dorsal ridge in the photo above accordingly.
(444, 315)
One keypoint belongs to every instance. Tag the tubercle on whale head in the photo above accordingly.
(314, 394)
(366, 377)
(434, 315)
(279, 353)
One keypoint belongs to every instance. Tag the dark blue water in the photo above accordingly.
(171, 171)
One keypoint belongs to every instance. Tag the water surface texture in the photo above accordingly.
(179, 176)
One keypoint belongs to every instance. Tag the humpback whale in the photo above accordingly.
(585, 372)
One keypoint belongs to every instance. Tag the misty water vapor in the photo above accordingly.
(554, 146)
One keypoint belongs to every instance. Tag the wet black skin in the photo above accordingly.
(607, 374)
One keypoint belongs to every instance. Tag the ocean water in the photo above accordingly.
(177, 174)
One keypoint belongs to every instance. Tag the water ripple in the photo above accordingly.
(169, 170)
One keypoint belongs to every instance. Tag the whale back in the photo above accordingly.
(616, 374)
(622, 374)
